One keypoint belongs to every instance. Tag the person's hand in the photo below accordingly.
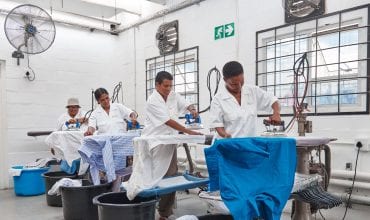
(226, 135)
(194, 112)
(275, 119)
(72, 121)
(88, 133)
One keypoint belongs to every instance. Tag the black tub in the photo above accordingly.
(50, 179)
(116, 206)
(77, 201)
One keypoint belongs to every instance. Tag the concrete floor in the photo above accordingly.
(34, 207)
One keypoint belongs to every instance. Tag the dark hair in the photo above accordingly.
(162, 75)
(99, 92)
(231, 69)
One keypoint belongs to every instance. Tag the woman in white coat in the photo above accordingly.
(234, 109)
(109, 118)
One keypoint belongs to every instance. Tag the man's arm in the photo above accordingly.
(221, 131)
(173, 124)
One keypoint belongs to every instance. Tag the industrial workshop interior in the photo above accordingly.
(184, 109)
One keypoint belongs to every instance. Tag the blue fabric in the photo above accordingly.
(70, 169)
(254, 175)
(107, 153)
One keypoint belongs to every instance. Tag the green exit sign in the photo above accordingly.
(223, 31)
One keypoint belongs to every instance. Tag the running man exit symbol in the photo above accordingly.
(223, 31)
(219, 32)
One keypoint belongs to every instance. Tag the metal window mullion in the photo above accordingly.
(367, 62)
(274, 63)
(339, 60)
(197, 78)
(317, 27)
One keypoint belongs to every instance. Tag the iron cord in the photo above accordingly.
(300, 67)
(218, 79)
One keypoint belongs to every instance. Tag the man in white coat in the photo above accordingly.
(233, 111)
(73, 115)
(162, 112)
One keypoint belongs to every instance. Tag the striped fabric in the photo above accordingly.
(107, 153)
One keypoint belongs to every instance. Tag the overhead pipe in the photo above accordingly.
(348, 183)
(162, 13)
(345, 174)
(355, 199)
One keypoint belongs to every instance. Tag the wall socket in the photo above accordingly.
(364, 142)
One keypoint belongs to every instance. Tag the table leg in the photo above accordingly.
(302, 210)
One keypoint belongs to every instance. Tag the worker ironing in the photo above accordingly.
(162, 111)
(234, 109)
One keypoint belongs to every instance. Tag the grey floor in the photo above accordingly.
(34, 207)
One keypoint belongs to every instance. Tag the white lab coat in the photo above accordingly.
(110, 124)
(158, 112)
(61, 123)
(239, 120)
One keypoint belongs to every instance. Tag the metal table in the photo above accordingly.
(305, 145)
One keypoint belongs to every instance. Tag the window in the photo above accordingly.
(337, 50)
(183, 66)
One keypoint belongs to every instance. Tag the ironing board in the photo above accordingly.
(173, 184)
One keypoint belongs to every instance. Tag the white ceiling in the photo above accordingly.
(94, 8)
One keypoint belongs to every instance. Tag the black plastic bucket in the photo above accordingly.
(77, 201)
(116, 206)
(50, 179)
(216, 217)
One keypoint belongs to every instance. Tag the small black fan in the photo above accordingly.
(29, 29)
(296, 10)
(168, 37)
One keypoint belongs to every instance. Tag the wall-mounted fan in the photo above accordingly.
(29, 29)
(168, 37)
(296, 10)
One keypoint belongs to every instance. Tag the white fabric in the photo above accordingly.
(214, 202)
(239, 120)
(63, 182)
(65, 144)
(61, 123)
(152, 157)
(15, 172)
(158, 112)
(110, 124)
(312, 141)
(188, 217)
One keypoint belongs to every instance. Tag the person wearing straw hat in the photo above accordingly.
(74, 115)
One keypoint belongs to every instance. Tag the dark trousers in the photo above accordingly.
(167, 201)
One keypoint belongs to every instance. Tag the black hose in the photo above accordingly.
(218, 79)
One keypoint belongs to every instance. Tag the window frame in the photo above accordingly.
(362, 92)
(183, 60)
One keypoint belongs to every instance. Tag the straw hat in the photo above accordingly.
(73, 102)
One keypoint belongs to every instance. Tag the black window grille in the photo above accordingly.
(337, 47)
(184, 67)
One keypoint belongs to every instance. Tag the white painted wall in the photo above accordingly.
(196, 26)
(77, 61)
(80, 60)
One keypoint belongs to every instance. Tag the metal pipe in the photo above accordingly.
(162, 13)
(348, 183)
(362, 176)
(355, 199)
